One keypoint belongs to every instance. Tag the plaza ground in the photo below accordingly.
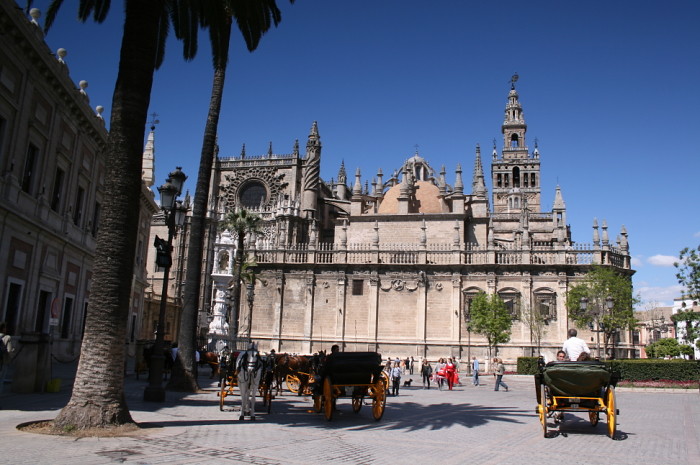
(470, 424)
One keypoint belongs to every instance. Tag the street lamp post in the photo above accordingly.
(175, 214)
(595, 313)
(250, 295)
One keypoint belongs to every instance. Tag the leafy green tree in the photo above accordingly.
(242, 223)
(598, 285)
(668, 347)
(536, 322)
(490, 317)
(688, 275)
(253, 18)
(97, 399)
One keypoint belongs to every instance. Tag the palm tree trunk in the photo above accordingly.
(184, 375)
(98, 399)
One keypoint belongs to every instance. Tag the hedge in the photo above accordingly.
(636, 369)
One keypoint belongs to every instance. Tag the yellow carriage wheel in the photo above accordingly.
(611, 406)
(292, 383)
(378, 393)
(542, 409)
(328, 398)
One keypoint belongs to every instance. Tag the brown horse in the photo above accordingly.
(297, 365)
(211, 359)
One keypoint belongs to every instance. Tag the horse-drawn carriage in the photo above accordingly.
(576, 387)
(358, 375)
(250, 372)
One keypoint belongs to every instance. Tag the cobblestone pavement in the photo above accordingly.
(470, 424)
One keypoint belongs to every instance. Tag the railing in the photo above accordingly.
(439, 254)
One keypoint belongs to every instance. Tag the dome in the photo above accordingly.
(426, 200)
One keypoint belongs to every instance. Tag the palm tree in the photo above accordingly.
(242, 223)
(97, 399)
(253, 23)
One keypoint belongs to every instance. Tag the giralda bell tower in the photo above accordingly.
(516, 173)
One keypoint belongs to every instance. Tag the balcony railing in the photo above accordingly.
(440, 254)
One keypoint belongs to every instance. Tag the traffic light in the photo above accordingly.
(163, 257)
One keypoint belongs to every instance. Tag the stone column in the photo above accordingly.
(373, 310)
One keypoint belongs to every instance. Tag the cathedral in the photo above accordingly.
(392, 264)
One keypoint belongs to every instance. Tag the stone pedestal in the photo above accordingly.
(32, 363)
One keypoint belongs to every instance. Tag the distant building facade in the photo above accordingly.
(391, 263)
(52, 187)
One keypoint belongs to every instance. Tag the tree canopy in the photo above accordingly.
(598, 285)
(688, 275)
(668, 347)
(489, 316)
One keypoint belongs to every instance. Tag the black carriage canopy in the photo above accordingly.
(581, 379)
(353, 367)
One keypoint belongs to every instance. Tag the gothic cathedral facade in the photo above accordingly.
(392, 266)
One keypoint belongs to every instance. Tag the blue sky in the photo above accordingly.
(609, 89)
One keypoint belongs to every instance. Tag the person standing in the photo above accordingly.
(475, 371)
(498, 371)
(395, 379)
(411, 365)
(450, 373)
(426, 372)
(574, 346)
(6, 351)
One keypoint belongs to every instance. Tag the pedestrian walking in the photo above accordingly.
(426, 372)
(7, 349)
(498, 371)
(475, 371)
(395, 379)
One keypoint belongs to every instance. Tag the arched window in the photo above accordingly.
(532, 180)
(516, 177)
(252, 194)
(506, 180)
(499, 181)
(512, 300)
(514, 140)
(546, 305)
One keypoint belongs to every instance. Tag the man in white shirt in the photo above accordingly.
(574, 346)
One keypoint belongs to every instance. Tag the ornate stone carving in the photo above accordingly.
(267, 175)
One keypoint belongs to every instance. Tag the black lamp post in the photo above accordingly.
(468, 320)
(250, 296)
(175, 214)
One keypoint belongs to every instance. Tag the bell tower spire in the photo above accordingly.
(516, 173)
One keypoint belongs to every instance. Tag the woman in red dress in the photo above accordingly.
(450, 373)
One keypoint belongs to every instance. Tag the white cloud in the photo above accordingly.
(697, 234)
(662, 296)
(637, 263)
(662, 260)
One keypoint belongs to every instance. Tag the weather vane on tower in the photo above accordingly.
(154, 121)
(513, 80)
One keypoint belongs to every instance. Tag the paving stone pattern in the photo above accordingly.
(472, 425)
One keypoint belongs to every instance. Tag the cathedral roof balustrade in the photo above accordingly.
(533, 216)
(439, 254)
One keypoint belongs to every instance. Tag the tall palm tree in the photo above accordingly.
(242, 223)
(254, 19)
(97, 399)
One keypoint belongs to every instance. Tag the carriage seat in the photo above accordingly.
(352, 367)
(576, 379)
